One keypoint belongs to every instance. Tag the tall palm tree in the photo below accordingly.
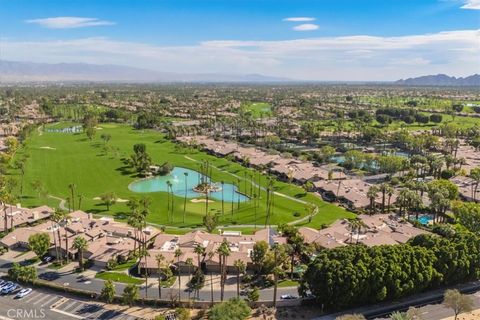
(80, 199)
(72, 188)
(66, 216)
(276, 271)
(189, 263)
(134, 205)
(80, 244)
(223, 202)
(160, 259)
(185, 198)
(223, 252)
(53, 220)
(372, 195)
(210, 256)
(241, 267)
(143, 253)
(200, 251)
(57, 217)
(178, 253)
(389, 191)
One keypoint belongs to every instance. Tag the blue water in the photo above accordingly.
(177, 177)
(425, 219)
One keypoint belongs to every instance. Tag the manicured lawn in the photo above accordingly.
(59, 159)
(258, 109)
(124, 266)
(118, 277)
(288, 283)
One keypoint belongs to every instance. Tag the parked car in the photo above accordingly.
(47, 259)
(9, 289)
(287, 297)
(5, 284)
(22, 293)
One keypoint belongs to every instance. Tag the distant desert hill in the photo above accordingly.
(13, 71)
(442, 80)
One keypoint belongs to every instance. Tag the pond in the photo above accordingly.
(183, 181)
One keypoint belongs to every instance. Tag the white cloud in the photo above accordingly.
(358, 57)
(471, 4)
(299, 19)
(69, 22)
(306, 27)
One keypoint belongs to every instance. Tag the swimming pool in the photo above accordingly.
(183, 181)
(425, 220)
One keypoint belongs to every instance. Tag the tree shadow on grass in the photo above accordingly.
(300, 195)
(125, 171)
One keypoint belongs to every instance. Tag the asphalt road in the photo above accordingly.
(74, 280)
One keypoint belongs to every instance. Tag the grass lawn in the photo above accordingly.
(288, 283)
(59, 159)
(118, 277)
(124, 266)
(258, 109)
(169, 282)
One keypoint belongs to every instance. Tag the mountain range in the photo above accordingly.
(441, 80)
(13, 71)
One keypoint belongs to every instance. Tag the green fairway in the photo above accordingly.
(59, 159)
(258, 109)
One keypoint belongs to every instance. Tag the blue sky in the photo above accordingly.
(301, 39)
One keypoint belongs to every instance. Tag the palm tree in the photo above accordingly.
(189, 263)
(185, 198)
(389, 191)
(223, 203)
(80, 244)
(53, 220)
(72, 188)
(210, 256)
(276, 271)
(133, 204)
(143, 253)
(240, 265)
(178, 253)
(372, 195)
(80, 198)
(383, 189)
(66, 216)
(475, 175)
(57, 217)
(200, 251)
(223, 252)
(159, 258)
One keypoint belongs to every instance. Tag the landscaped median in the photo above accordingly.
(118, 277)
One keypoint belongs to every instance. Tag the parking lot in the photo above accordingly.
(40, 304)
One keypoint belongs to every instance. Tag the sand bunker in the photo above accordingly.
(117, 200)
(201, 200)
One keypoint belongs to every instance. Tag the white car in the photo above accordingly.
(5, 284)
(287, 297)
(22, 293)
(9, 289)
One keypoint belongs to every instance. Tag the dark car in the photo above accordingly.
(49, 276)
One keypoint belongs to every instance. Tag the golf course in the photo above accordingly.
(56, 157)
